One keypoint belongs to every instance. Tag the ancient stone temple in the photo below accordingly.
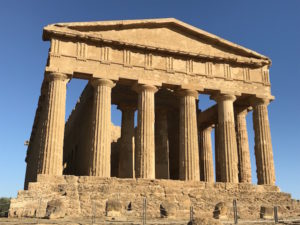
(157, 68)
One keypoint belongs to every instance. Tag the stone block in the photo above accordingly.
(168, 209)
(55, 209)
(45, 178)
(113, 208)
(221, 211)
(204, 221)
(266, 212)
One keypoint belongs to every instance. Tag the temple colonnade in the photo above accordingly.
(137, 158)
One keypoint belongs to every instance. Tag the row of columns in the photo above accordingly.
(230, 148)
(232, 156)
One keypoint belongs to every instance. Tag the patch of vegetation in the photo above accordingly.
(4, 206)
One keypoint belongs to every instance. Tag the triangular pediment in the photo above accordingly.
(164, 34)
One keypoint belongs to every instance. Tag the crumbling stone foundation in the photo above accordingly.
(92, 196)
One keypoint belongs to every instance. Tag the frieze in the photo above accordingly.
(189, 66)
(81, 51)
(55, 48)
(127, 57)
(152, 61)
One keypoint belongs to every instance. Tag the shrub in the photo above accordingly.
(4, 206)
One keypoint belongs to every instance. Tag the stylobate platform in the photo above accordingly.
(124, 198)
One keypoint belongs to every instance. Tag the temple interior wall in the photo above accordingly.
(77, 133)
(173, 131)
(77, 136)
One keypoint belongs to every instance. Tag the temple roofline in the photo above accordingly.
(75, 28)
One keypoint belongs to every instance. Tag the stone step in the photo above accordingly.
(88, 196)
(90, 221)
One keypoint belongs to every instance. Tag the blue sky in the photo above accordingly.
(269, 27)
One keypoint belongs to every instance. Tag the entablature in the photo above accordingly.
(158, 69)
(175, 55)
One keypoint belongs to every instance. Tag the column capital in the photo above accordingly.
(102, 82)
(144, 87)
(259, 101)
(127, 106)
(187, 92)
(223, 97)
(242, 110)
(206, 126)
(49, 76)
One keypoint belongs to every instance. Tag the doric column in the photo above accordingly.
(227, 138)
(206, 158)
(162, 170)
(51, 158)
(217, 154)
(101, 128)
(145, 146)
(126, 150)
(263, 144)
(33, 151)
(188, 137)
(244, 163)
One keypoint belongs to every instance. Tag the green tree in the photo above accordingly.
(4, 206)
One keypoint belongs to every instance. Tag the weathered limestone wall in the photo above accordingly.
(33, 151)
(77, 135)
(173, 133)
(85, 196)
(161, 144)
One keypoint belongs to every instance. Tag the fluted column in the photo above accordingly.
(126, 150)
(188, 137)
(101, 129)
(33, 150)
(217, 154)
(244, 163)
(206, 158)
(227, 138)
(162, 170)
(263, 144)
(51, 159)
(145, 146)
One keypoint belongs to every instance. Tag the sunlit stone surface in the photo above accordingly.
(155, 68)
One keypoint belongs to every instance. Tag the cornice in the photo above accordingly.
(63, 31)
